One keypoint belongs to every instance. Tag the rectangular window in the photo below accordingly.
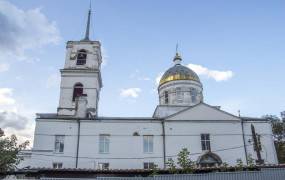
(103, 166)
(59, 144)
(57, 165)
(148, 144)
(104, 143)
(205, 142)
(148, 165)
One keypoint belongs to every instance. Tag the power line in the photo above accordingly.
(151, 157)
(128, 135)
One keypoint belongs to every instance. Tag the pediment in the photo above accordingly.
(202, 111)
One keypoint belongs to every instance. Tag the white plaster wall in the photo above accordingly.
(268, 152)
(124, 147)
(223, 135)
(44, 141)
(93, 60)
(126, 150)
(203, 112)
(90, 84)
(166, 110)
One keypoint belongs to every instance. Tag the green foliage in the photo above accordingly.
(154, 170)
(184, 161)
(250, 161)
(171, 166)
(280, 150)
(224, 166)
(271, 118)
(9, 150)
(278, 129)
(239, 164)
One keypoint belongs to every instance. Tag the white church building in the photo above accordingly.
(77, 137)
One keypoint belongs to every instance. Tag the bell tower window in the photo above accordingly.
(77, 91)
(81, 57)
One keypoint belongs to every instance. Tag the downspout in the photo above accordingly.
(163, 142)
(78, 140)
(244, 145)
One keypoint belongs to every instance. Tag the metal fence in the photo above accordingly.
(264, 174)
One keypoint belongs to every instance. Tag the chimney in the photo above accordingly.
(81, 106)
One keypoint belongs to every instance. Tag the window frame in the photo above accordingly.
(103, 165)
(166, 97)
(83, 60)
(57, 165)
(194, 95)
(179, 94)
(205, 142)
(105, 142)
(148, 144)
(78, 89)
(59, 143)
(148, 165)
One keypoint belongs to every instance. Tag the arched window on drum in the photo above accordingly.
(193, 93)
(179, 94)
(166, 97)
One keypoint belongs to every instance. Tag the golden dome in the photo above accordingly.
(178, 72)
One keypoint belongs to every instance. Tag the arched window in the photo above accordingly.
(179, 94)
(77, 91)
(81, 57)
(209, 159)
(166, 98)
(194, 94)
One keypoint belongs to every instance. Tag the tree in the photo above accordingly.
(278, 130)
(171, 166)
(184, 161)
(271, 118)
(154, 170)
(239, 164)
(9, 150)
(250, 161)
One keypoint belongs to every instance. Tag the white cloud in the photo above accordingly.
(138, 75)
(24, 29)
(4, 67)
(158, 77)
(53, 80)
(12, 120)
(215, 74)
(144, 78)
(15, 118)
(130, 92)
(6, 96)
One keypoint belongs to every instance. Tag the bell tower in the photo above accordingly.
(81, 75)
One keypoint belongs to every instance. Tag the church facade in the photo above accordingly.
(77, 137)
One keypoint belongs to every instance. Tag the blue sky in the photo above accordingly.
(237, 47)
